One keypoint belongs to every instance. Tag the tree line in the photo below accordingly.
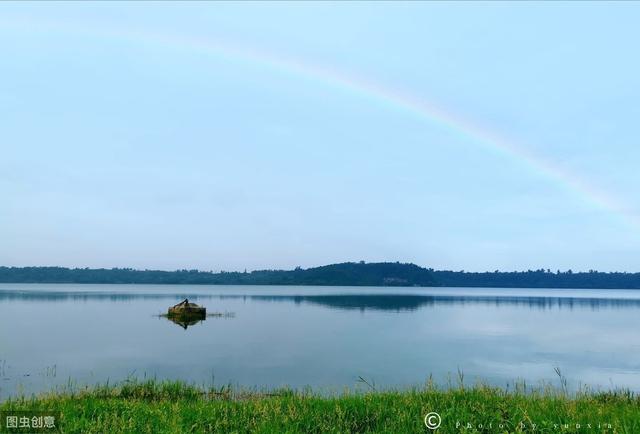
(348, 274)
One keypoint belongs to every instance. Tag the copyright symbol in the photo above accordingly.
(432, 420)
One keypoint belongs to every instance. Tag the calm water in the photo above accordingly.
(322, 337)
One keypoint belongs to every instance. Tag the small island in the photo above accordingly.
(187, 311)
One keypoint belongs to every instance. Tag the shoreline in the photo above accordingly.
(383, 274)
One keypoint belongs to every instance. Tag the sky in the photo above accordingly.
(232, 136)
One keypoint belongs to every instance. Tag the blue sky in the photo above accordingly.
(124, 144)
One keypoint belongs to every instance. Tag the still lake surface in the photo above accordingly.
(325, 337)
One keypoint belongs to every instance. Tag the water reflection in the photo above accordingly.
(364, 301)
(54, 296)
(402, 302)
(184, 322)
(316, 336)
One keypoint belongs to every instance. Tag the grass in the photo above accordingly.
(176, 407)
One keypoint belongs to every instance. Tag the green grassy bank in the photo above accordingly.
(174, 407)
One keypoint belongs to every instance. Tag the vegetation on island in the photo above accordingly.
(347, 274)
(175, 407)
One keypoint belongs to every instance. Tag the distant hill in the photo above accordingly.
(345, 274)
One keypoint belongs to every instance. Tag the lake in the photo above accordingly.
(324, 337)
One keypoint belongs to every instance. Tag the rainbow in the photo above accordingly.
(364, 88)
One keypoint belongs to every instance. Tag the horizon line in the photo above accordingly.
(546, 270)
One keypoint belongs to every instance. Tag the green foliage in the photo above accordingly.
(382, 274)
(174, 407)
(347, 274)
